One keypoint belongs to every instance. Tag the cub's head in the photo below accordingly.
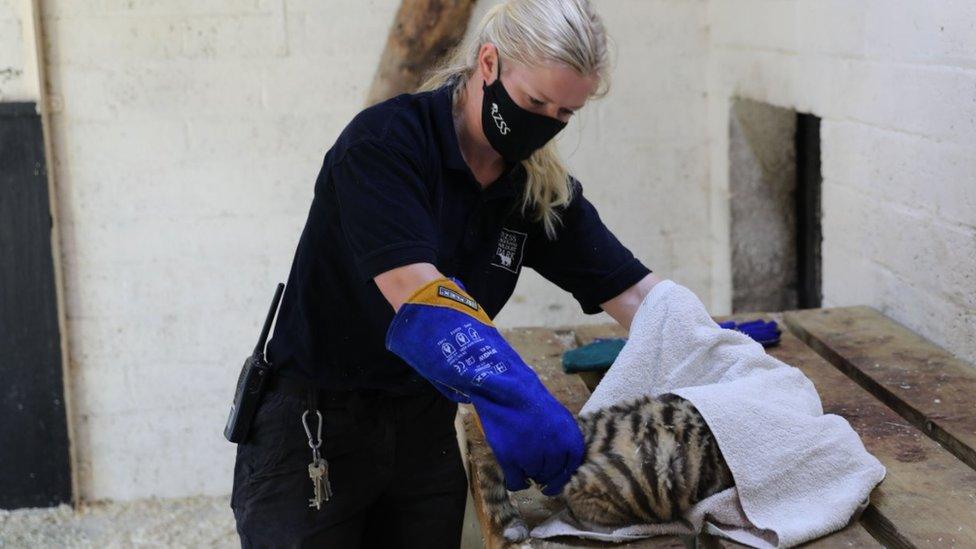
(623, 466)
(590, 501)
(592, 495)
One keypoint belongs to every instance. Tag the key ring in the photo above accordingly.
(308, 432)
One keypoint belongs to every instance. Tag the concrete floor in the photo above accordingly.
(201, 521)
(190, 522)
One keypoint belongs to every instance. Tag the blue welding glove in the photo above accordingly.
(766, 333)
(447, 337)
(449, 392)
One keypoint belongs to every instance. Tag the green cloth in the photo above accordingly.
(593, 357)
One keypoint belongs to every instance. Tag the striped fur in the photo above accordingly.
(646, 461)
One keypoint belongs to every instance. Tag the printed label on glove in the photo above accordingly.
(461, 352)
(465, 345)
(451, 294)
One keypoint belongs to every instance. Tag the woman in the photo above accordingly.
(425, 210)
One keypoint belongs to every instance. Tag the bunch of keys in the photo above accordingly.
(318, 470)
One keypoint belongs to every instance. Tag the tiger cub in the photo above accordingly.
(646, 461)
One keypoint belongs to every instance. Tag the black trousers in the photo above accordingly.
(396, 472)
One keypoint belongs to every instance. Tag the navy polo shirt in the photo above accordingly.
(394, 189)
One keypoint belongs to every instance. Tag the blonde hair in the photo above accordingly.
(533, 33)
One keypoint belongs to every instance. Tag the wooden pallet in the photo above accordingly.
(911, 402)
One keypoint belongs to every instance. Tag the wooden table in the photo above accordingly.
(912, 403)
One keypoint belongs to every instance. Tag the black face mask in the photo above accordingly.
(511, 130)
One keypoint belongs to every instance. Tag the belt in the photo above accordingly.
(304, 388)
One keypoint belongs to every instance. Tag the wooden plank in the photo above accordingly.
(477, 459)
(918, 379)
(586, 333)
(542, 349)
(422, 33)
(852, 535)
(928, 497)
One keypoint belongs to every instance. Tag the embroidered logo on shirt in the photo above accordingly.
(510, 250)
(451, 294)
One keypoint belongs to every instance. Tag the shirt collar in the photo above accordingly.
(511, 179)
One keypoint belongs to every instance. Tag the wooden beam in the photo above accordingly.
(921, 381)
(927, 497)
(423, 32)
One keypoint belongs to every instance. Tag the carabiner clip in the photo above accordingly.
(308, 431)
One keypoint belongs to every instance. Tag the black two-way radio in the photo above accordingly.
(251, 382)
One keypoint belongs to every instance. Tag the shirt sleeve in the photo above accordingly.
(585, 259)
(384, 208)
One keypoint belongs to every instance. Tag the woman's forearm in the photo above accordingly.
(623, 307)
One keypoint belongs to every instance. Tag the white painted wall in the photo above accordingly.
(187, 138)
(18, 77)
(895, 85)
(188, 134)
(186, 152)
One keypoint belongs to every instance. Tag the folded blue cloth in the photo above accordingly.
(598, 355)
(764, 332)
(595, 356)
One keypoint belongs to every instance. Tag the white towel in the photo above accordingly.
(799, 473)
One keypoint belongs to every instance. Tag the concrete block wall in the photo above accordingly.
(895, 86)
(17, 64)
(187, 139)
(187, 136)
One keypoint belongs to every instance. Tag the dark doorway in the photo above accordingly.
(775, 186)
(808, 231)
(34, 450)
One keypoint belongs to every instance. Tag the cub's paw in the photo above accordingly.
(516, 531)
